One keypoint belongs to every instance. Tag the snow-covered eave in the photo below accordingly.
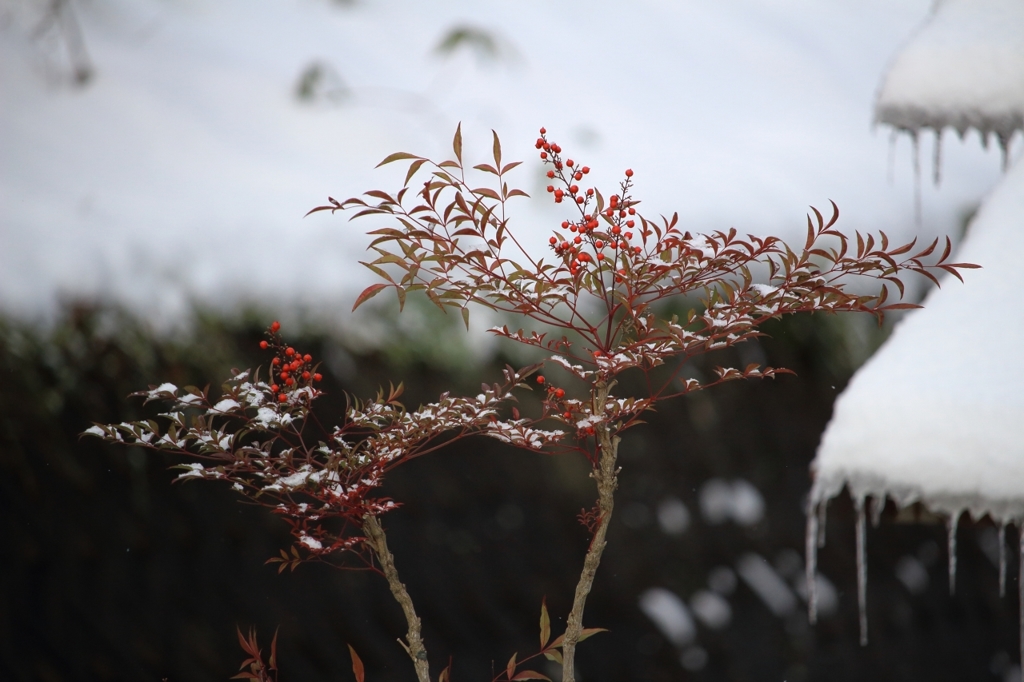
(964, 69)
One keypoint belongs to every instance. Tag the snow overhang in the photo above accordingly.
(963, 69)
(937, 414)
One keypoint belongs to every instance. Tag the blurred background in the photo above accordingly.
(156, 159)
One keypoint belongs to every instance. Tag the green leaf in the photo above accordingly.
(368, 293)
(545, 623)
(397, 156)
(457, 142)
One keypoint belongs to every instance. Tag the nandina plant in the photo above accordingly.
(592, 305)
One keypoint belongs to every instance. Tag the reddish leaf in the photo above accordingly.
(368, 293)
(357, 664)
(529, 675)
(545, 623)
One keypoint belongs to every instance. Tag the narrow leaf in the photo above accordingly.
(368, 293)
(496, 150)
(457, 143)
(397, 156)
(510, 669)
(530, 675)
(465, 317)
(357, 665)
(545, 623)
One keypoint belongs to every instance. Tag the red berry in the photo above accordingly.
(578, 176)
(551, 188)
(540, 143)
(637, 249)
(264, 344)
(543, 155)
(600, 256)
(551, 174)
(275, 326)
(585, 169)
(540, 378)
(572, 228)
(289, 381)
(284, 375)
(630, 223)
(569, 163)
(590, 191)
(599, 244)
(307, 357)
(289, 351)
(276, 361)
(543, 131)
(629, 173)
(576, 240)
(567, 415)
(559, 393)
(305, 376)
(579, 200)
(632, 211)
(553, 241)
(616, 229)
(629, 235)
(282, 398)
(317, 377)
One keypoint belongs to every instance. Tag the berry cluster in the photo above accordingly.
(289, 367)
(618, 216)
(564, 408)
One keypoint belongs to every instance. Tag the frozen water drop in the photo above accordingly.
(877, 504)
(822, 510)
(1002, 559)
(811, 563)
(1020, 586)
(937, 158)
(917, 177)
(951, 526)
(862, 571)
(892, 155)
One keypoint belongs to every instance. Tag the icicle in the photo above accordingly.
(811, 562)
(937, 158)
(877, 505)
(862, 572)
(1020, 587)
(892, 155)
(917, 178)
(821, 523)
(954, 519)
(1004, 148)
(1002, 559)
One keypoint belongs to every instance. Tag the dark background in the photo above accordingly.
(111, 572)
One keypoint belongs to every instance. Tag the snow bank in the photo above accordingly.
(935, 416)
(964, 69)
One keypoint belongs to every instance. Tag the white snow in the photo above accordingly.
(936, 414)
(964, 69)
(182, 171)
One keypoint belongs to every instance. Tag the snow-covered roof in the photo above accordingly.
(936, 414)
(963, 69)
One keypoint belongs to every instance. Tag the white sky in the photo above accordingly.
(184, 169)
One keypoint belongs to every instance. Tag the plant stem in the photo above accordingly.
(607, 478)
(417, 652)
